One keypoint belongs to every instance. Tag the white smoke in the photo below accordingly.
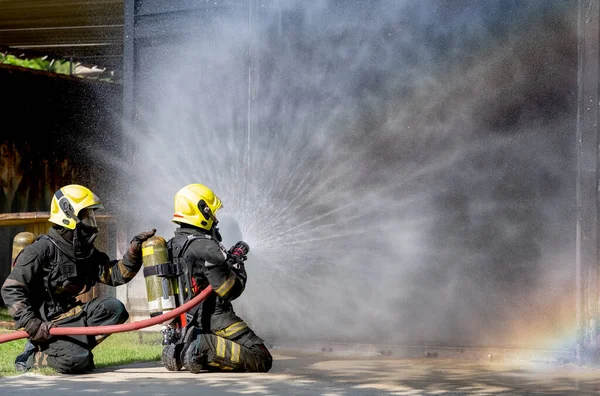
(387, 162)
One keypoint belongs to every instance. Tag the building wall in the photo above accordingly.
(52, 127)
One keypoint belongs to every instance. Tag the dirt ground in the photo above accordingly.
(309, 373)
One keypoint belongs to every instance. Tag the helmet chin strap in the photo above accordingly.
(216, 234)
(92, 238)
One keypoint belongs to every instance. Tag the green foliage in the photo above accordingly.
(118, 349)
(129, 347)
(54, 66)
(4, 316)
(49, 65)
(8, 353)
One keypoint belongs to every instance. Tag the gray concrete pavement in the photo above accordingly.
(310, 373)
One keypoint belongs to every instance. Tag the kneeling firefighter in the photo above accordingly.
(49, 274)
(212, 336)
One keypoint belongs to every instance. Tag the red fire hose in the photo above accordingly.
(97, 330)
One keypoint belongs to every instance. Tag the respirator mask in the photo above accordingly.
(86, 231)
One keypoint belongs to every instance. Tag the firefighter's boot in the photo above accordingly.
(195, 360)
(24, 362)
(189, 342)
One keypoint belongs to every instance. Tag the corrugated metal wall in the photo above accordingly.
(51, 127)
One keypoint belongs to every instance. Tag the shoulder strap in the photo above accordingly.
(177, 248)
(53, 246)
(195, 317)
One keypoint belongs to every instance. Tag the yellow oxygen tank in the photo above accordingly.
(20, 241)
(160, 286)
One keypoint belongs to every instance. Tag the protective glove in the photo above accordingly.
(38, 330)
(135, 246)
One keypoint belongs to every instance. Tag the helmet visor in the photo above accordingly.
(88, 217)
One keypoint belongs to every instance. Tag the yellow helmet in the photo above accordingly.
(68, 201)
(196, 204)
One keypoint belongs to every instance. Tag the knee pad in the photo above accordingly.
(113, 308)
(82, 363)
(265, 360)
(72, 364)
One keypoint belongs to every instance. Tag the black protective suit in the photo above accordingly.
(222, 341)
(42, 288)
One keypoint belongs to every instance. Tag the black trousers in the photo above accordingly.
(73, 354)
(232, 348)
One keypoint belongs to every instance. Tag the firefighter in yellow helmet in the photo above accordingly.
(215, 338)
(48, 275)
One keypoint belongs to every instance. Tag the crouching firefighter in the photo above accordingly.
(210, 336)
(50, 273)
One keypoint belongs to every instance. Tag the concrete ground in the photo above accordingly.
(327, 373)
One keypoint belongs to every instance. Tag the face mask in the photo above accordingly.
(88, 218)
(86, 229)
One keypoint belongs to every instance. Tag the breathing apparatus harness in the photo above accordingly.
(178, 333)
(61, 271)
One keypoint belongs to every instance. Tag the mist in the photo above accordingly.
(404, 172)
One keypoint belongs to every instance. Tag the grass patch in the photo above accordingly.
(119, 348)
(4, 316)
(8, 353)
(128, 347)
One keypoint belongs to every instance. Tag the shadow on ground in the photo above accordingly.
(295, 373)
